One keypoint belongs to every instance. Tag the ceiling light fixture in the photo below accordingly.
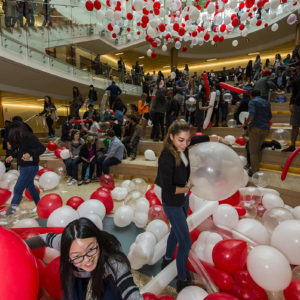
(119, 53)
(141, 57)
(211, 59)
(166, 66)
(254, 53)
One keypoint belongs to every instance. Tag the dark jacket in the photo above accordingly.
(32, 146)
(84, 151)
(295, 98)
(115, 91)
(170, 176)
(93, 95)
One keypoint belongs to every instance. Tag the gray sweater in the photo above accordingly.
(75, 147)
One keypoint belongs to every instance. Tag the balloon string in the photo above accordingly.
(288, 163)
(199, 268)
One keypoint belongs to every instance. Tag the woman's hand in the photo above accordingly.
(26, 156)
(9, 159)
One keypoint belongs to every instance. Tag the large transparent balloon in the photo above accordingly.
(140, 185)
(231, 123)
(260, 179)
(282, 136)
(216, 171)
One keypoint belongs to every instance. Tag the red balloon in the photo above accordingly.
(231, 88)
(152, 198)
(51, 279)
(27, 194)
(51, 146)
(220, 296)
(107, 181)
(240, 210)
(48, 204)
(162, 27)
(222, 27)
(57, 153)
(166, 297)
(221, 279)
(245, 288)
(157, 212)
(20, 278)
(153, 54)
(292, 292)
(249, 3)
(89, 5)
(184, 48)
(41, 267)
(216, 38)
(230, 255)
(38, 253)
(150, 296)
(103, 195)
(194, 234)
(232, 200)
(97, 4)
(129, 16)
(240, 141)
(206, 36)
(44, 170)
(74, 202)
(78, 121)
(4, 195)
(235, 22)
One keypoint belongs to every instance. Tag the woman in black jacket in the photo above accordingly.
(172, 187)
(88, 157)
(50, 115)
(28, 149)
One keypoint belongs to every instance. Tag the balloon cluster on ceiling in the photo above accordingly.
(185, 23)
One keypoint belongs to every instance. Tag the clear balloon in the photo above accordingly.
(292, 18)
(132, 196)
(286, 237)
(140, 185)
(269, 268)
(123, 216)
(282, 136)
(149, 155)
(62, 216)
(252, 194)
(273, 217)
(129, 185)
(243, 116)
(261, 179)
(216, 171)
(250, 207)
(231, 123)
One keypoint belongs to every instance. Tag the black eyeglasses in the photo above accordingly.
(79, 259)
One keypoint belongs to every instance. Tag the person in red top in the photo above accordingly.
(144, 107)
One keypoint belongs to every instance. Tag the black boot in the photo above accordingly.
(165, 262)
(181, 284)
(289, 149)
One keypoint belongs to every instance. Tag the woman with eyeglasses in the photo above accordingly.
(92, 265)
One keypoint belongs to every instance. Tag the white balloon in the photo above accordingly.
(218, 19)
(119, 193)
(164, 48)
(243, 116)
(123, 216)
(254, 230)
(7, 179)
(95, 219)
(15, 172)
(243, 159)
(234, 42)
(211, 8)
(177, 45)
(292, 19)
(296, 212)
(173, 75)
(195, 202)
(274, 27)
(116, 29)
(62, 216)
(286, 238)
(269, 268)
(227, 20)
(233, 4)
(151, 32)
(117, 15)
(140, 219)
(138, 5)
(149, 52)
(2, 169)
(49, 180)
(149, 155)
(162, 12)
(142, 205)
(230, 139)
(159, 228)
(253, 21)
(192, 293)
(110, 14)
(274, 4)
(50, 254)
(92, 206)
(194, 14)
(100, 14)
(65, 154)
(226, 215)
(245, 179)
(24, 223)
(129, 185)
(270, 200)
(12, 184)
(244, 16)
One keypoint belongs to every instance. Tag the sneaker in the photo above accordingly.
(73, 181)
(165, 262)
(69, 179)
(289, 149)
(11, 210)
(132, 157)
(181, 284)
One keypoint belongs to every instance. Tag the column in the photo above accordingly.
(298, 35)
(174, 59)
(1, 112)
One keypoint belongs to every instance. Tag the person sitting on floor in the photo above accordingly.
(90, 112)
(132, 136)
(88, 156)
(114, 154)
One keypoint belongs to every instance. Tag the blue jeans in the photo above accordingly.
(179, 233)
(25, 181)
(72, 166)
(103, 165)
(77, 108)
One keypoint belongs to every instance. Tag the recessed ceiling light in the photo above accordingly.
(254, 53)
(119, 53)
(141, 65)
(166, 66)
(211, 59)
(140, 57)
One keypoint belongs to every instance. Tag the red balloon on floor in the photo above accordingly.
(150, 296)
(41, 267)
(48, 204)
(103, 195)
(27, 194)
(4, 195)
(51, 146)
(107, 181)
(230, 255)
(20, 279)
(75, 201)
(157, 212)
(240, 141)
(51, 279)
(292, 292)
(220, 296)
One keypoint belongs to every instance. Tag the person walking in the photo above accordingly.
(50, 113)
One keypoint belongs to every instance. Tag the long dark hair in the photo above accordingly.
(75, 91)
(160, 97)
(17, 133)
(175, 128)
(109, 248)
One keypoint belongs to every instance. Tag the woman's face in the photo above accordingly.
(181, 140)
(76, 136)
(84, 253)
(46, 99)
